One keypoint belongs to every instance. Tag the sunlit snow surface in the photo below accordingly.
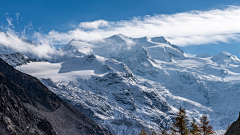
(130, 84)
(105, 90)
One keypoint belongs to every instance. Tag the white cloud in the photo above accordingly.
(204, 39)
(187, 28)
(94, 25)
(17, 16)
(43, 50)
(9, 20)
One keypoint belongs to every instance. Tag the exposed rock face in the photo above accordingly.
(17, 119)
(234, 129)
(16, 59)
(46, 126)
(31, 90)
(28, 107)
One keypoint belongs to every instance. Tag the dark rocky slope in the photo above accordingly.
(26, 104)
(234, 129)
(15, 118)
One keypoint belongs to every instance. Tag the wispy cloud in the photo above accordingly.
(187, 28)
(9, 20)
(17, 16)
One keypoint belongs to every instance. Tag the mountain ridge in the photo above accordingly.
(161, 71)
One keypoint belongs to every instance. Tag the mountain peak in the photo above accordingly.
(76, 39)
(117, 37)
(224, 56)
(120, 35)
(160, 39)
(225, 53)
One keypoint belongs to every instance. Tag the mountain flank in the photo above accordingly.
(17, 119)
(28, 107)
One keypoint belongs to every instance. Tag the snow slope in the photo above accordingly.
(106, 91)
(128, 83)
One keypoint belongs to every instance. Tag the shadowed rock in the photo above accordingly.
(15, 118)
(234, 129)
(28, 107)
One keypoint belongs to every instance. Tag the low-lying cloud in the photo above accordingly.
(10, 42)
(15, 44)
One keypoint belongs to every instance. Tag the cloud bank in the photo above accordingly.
(187, 28)
(182, 29)
(16, 44)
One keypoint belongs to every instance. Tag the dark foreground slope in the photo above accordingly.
(28, 107)
(17, 119)
(234, 129)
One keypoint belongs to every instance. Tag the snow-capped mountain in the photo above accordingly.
(118, 46)
(128, 84)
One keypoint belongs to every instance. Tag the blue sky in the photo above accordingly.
(59, 21)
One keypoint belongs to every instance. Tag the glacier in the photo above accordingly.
(128, 84)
